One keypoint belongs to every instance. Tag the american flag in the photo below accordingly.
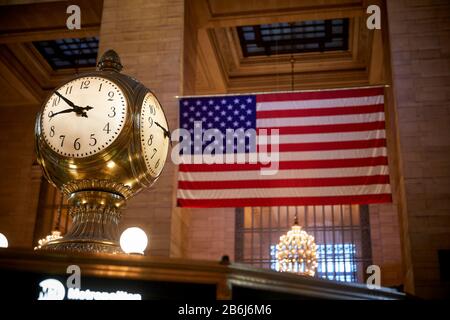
(332, 149)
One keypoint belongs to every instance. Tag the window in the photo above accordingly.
(294, 37)
(341, 233)
(69, 53)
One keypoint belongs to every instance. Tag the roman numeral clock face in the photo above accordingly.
(84, 116)
(154, 135)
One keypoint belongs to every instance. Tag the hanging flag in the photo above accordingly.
(300, 148)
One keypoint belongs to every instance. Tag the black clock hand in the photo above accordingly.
(78, 110)
(63, 111)
(70, 103)
(166, 132)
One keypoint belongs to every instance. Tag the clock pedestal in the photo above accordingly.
(95, 218)
(101, 138)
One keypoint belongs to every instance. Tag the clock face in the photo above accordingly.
(84, 116)
(154, 134)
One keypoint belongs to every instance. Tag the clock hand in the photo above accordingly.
(70, 103)
(166, 132)
(63, 111)
(78, 110)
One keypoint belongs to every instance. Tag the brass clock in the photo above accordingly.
(100, 138)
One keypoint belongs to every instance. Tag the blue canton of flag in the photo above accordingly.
(220, 113)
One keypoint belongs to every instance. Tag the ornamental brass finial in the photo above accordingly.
(110, 61)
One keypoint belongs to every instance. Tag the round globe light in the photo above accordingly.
(3, 241)
(133, 240)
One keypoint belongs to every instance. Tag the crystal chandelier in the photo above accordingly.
(56, 234)
(296, 252)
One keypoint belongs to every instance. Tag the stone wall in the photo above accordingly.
(420, 49)
(148, 35)
(19, 185)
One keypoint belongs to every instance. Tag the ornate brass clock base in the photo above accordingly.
(95, 219)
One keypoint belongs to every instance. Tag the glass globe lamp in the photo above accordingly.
(133, 241)
(3, 241)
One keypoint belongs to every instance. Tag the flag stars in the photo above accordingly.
(230, 107)
(210, 113)
(192, 108)
(249, 100)
(185, 103)
(248, 123)
(243, 106)
(216, 119)
(243, 118)
(198, 102)
(204, 108)
(210, 124)
(216, 107)
(229, 118)
(223, 101)
(197, 114)
(236, 101)
(249, 111)
(223, 112)
(222, 124)
(210, 102)
(236, 123)
(236, 112)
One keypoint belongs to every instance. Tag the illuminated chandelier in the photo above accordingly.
(296, 252)
(55, 234)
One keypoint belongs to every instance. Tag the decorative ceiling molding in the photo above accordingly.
(359, 65)
(27, 77)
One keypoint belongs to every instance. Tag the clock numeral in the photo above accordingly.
(113, 110)
(94, 141)
(157, 164)
(106, 128)
(154, 152)
(50, 115)
(85, 84)
(152, 109)
(76, 144)
(52, 131)
(69, 90)
(150, 140)
(100, 87)
(62, 137)
(56, 101)
(111, 96)
(151, 121)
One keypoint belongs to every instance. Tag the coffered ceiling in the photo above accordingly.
(213, 58)
(220, 65)
(25, 76)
